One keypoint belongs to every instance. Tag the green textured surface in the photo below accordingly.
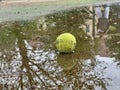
(66, 42)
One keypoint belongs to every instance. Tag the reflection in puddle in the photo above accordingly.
(67, 61)
(43, 72)
(29, 60)
(109, 71)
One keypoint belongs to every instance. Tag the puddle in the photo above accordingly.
(109, 71)
(29, 59)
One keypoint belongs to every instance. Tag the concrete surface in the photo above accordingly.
(15, 10)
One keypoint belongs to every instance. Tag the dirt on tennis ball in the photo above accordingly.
(65, 43)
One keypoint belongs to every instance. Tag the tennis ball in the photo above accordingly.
(65, 42)
(112, 28)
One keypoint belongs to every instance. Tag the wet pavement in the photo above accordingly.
(17, 10)
(29, 59)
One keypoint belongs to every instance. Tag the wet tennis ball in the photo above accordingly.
(65, 42)
(112, 28)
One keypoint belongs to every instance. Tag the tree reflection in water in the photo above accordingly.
(26, 66)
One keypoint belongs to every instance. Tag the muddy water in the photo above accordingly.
(29, 59)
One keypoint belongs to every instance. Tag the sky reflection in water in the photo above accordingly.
(28, 59)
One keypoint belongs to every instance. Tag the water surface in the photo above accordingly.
(29, 59)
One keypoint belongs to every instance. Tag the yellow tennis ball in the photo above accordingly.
(65, 42)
